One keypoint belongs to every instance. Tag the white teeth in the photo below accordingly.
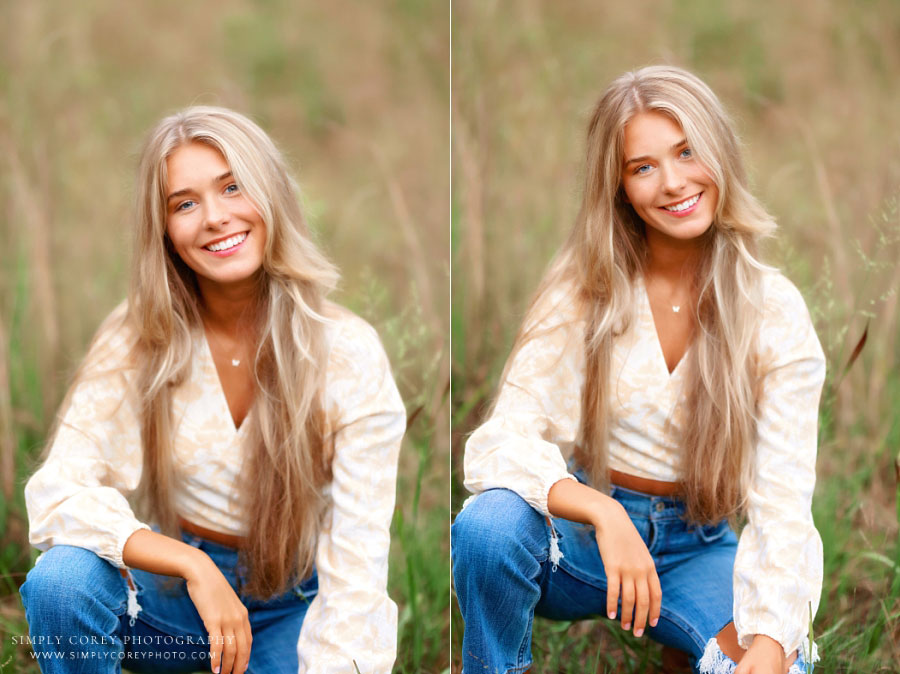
(227, 243)
(683, 205)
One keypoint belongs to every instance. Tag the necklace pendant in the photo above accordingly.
(235, 361)
(675, 307)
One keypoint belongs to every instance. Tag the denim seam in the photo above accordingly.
(520, 666)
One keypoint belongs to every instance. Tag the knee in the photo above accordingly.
(64, 576)
(493, 525)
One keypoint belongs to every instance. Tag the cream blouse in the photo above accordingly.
(535, 424)
(80, 495)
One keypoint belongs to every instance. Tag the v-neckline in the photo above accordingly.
(648, 310)
(223, 400)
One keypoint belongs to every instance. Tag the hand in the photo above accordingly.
(224, 616)
(626, 559)
(628, 564)
(765, 656)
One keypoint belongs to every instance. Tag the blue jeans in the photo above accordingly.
(504, 576)
(76, 606)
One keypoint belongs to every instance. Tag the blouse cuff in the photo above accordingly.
(543, 506)
(769, 627)
(121, 535)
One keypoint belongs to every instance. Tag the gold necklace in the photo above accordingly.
(235, 362)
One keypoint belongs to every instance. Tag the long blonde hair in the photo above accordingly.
(287, 447)
(607, 249)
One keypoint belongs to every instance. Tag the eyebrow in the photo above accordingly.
(643, 157)
(188, 190)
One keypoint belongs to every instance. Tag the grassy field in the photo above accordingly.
(812, 86)
(356, 94)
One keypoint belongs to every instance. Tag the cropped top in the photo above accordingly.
(536, 421)
(80, 495)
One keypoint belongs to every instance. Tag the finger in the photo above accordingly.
(242, 657)
(655, 598)
(641, 606)
(228, 653)
(215, 650)
(627, 602)
(612, 595)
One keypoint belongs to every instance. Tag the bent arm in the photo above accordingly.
(352, 622)
(79, 495)
(538, 410)
(156, 553)
(778, 567)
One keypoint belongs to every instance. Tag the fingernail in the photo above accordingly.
(626, 626)
(638, 632)
(612, 615)
(653, 622)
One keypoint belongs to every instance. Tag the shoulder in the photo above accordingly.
(558, 306)
(352, 343)
(786, 330)
(358, 379)
(781, 296)
(113, 344)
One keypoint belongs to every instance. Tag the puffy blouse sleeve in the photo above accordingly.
(778, 569)
(352, 619)
(538, 409)
(79, 495)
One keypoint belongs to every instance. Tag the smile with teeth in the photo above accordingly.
(230, 242)
(684, 205)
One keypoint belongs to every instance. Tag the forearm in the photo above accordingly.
(156, 553)
(577, 502)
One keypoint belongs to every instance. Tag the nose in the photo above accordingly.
(673, 179)
(216, 214)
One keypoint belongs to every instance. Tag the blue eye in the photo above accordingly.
(640, 169)
(232, 188)
(687, 153)
(184, 205)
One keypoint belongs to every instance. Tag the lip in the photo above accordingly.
(230, 251)
(687, 211)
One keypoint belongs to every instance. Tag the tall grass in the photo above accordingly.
(810, 86)
(356, 94)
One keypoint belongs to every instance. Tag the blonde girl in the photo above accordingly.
(219, 489)
(681, 376)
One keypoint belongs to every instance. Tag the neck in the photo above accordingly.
(228, 309)
(674, 260)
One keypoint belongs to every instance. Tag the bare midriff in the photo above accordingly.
(228, 540)
(645, 485)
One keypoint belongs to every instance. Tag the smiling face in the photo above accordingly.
(214, 228)
(669, 189)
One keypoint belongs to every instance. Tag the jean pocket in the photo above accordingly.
(713, 532)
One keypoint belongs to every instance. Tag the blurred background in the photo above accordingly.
(356, 94)
(812, 86)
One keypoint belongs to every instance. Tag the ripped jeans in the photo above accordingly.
(505, 572)
(82, 617)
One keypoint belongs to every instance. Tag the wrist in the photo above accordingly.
(602, 509)
(763, 642)
(194, 564)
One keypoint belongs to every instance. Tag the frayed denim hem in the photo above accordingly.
(714, 661)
